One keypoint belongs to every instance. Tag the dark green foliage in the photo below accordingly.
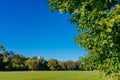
(71, 65)
(98, 22)
(32, 64)
(85, 64)
(9, 61)
(18, 62)
(63, 65)
(52, 64)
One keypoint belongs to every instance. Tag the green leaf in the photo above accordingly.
(109, 30)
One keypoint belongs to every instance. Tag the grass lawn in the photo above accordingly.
(51, 75)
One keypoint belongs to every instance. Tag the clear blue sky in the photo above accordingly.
(29, 28)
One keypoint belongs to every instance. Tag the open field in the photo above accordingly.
(51, 75)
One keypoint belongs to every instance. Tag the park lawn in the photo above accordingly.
(51, 75)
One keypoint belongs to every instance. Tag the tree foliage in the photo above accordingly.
(71, 65)
(16, 62)
(42, 63)
(32, 64)
(98, 22)
(63, 65)
(52, 64)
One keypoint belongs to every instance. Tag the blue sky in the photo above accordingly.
(29, 28)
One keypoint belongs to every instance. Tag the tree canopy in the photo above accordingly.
(9, 61)
(98, 23)
(52, 64)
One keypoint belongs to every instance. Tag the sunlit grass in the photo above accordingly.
(51, 75)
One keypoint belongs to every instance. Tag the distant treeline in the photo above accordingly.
(9, 61)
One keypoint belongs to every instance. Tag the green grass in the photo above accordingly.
(51, 75)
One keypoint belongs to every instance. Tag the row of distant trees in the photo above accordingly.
(9, 61)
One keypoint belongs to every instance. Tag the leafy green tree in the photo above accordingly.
(35, 58)
(85, 64)
(63, 65)
(71, 65)
(98, 22)
(32, 64)
(52, 64)
(1, 56)
(4, 58)
(18, 62)
(1, 62)
(80, 64)
(42, 64)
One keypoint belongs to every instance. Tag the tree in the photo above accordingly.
(42, 64)
(35, 58)
(1, 57)
(4, 59)
(32, 64)
(1, 62)
(18, 62)
(81, 64)
(71, 65)
(98, 23)
(63, 65)
(52, 64)
(85, 63)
